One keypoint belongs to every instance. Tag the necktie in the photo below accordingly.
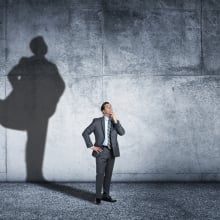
(108, 133)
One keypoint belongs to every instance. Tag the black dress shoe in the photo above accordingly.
(108, 199)
(97, 201)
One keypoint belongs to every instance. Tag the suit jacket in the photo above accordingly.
(98, 128)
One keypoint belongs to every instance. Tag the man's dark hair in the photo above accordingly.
(103, 105)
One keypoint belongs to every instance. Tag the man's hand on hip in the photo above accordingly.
(97, 149)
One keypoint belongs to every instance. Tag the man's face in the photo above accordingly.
(108, 109)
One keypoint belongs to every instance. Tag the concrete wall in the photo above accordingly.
(156, 61)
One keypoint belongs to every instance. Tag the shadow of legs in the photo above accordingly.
(70, 191)
(35, 150)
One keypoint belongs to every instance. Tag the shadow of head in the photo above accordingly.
(38, 46)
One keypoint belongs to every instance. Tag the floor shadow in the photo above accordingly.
(36, 89)
(70, 191)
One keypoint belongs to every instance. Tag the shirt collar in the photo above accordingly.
(106, 118)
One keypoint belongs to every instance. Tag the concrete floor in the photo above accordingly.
(135, 201)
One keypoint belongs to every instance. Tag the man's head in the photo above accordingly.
(106, 109)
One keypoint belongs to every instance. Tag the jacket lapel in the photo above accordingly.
(103, 124)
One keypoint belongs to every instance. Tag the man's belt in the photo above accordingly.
(109, 148)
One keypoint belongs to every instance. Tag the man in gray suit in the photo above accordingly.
(105, 149)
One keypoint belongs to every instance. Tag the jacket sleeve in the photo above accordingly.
(120, 130)
(87, 132)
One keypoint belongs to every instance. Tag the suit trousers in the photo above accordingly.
(104, 167)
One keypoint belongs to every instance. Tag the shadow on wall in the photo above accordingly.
(37, 87)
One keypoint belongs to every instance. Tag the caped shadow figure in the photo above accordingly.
(36, 89)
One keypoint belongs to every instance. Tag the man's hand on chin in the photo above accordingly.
(113, 116)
